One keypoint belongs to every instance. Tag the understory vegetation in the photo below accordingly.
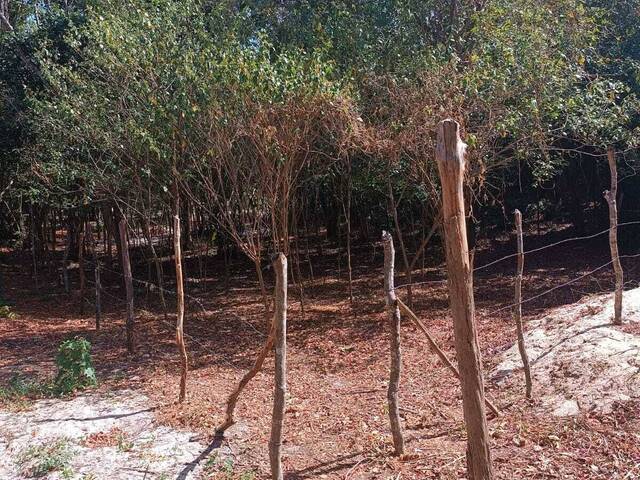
(142, 141)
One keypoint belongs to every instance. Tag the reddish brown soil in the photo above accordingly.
(336, 421)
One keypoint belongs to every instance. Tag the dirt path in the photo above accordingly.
(97, 436)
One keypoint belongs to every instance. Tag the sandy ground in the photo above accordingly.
(579, 360)
(107, 436)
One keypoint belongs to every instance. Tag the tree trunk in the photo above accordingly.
(280, 331)
(403, 250)
(611, 197)
(394, 343)
(81, 272)
(347, 216)
(98, 292)
(157, 264)
(65, 260)
(518, 307)
(128, 285)
(180, 309)
(450, 156)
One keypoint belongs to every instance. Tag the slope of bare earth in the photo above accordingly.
(579, 360)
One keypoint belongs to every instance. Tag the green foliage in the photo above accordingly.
(6, 312)
(39, 460)
(75, 368)
(20, 388)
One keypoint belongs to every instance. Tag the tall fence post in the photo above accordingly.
(128, 285)
(450, 157)
(394, 343)
(610, 196)
(184, 363)
(518, 306)
(280, 328)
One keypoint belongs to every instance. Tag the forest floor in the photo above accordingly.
(336, 418)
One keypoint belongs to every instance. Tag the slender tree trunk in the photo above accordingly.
(403, 250)
(98, 294)
(347, 216)
(180, 309)
(128, 285)
(263, 290)
(518, 307)
(611, 197)
(65, 259)
(280, 331)
(34, 252)
(157, 264)
(394, 343)
(81, 271)
(450, 156)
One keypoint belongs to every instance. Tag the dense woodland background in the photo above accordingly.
(268, 122)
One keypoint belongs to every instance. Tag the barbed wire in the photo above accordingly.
(560, 242)
(530, 299)
(153, 286)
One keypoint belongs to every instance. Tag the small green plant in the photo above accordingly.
(225, 469)
(75, 368)
(5, 312)
(38, 460)
(20, 388)
(124, 444)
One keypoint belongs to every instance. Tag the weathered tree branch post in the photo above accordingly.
(610, 196)
(438, 351)
(450, 157)
(128, 285)
(280, 328)
(394, 343)
(518, 308)
(180, 309)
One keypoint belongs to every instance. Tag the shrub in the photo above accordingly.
(75, 368)
(39, 460)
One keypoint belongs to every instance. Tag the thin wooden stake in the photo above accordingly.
(439, 352)
(518, 307)
(450, 156)
(610, 196)
(128, 285)
(184, 364)
(280, 326)
(394, 342)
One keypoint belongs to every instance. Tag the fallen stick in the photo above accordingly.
(438, 351)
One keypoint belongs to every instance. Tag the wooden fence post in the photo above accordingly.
(98, 293)
(518, 307)
(610, 196)
(450, 157)
(394, 344)
(128, 285)
(180, 309)
(280, 327)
